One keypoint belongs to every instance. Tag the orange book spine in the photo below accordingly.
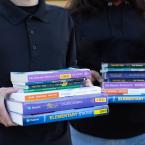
(115, 91)
(40, 97)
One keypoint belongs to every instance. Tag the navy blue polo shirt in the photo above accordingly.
(43, 40)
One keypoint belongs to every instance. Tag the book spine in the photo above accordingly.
(51, 88)
(121, 69)
(56, 85)
(124, 80)
(58, 82)
(127, 99)
(123, 65)
(40, 97)
(54, 94)
(77, 102)
(68, 81)
(123, 91)
(52, 85)
(118, 75)
(65, 115)
(108, 85)
(59, 75)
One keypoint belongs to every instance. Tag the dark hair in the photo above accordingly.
(93, 6)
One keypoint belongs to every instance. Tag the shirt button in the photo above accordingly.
(34, 47)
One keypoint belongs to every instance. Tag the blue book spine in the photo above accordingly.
(121, 69)
(125, 80)
(126, 99)
(128, 75)
(82, 101)
(55, 82)
(65, 115)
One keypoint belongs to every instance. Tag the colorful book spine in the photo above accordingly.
(123, 91)
(126, 99)
(50, 76)
(123, 65)
(124, 80)
(118, 75)
(38, 96)
(59, 116)
(67, 103)
(121, 69)
(111, 85)
(51, 88)
(56, 82)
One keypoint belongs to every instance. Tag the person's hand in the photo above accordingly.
(95, 76)
(88, 83)
(4, 116)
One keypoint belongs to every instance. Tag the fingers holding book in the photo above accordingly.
(4, 116)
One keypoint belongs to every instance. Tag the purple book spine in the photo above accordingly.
(65, 104)
(59, 75)
(107, 85)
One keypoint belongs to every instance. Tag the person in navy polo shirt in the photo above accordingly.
(34, 36)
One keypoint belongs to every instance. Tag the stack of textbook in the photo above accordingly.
(51, 96)
(124, 82)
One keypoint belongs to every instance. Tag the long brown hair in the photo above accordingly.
(93, 6)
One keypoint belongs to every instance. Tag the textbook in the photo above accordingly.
(40, 76)
(62, 82)
(48, 84)
(59, 116)
(125, 75)
(123, 91)
(126, 99)
(122, 69)
(53, 105)
(123, 65)
(125, 80)
(37, 96)
(109, 85)
(51, 88)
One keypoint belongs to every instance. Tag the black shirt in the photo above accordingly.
(41, 41)
(117, 35)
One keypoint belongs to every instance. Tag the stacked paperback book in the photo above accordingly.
(124, 82)
(51, 96)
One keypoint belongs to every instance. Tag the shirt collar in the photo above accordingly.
(16, 15)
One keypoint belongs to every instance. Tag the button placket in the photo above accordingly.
(33, 42)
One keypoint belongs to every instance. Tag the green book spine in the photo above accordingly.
(51, 89)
